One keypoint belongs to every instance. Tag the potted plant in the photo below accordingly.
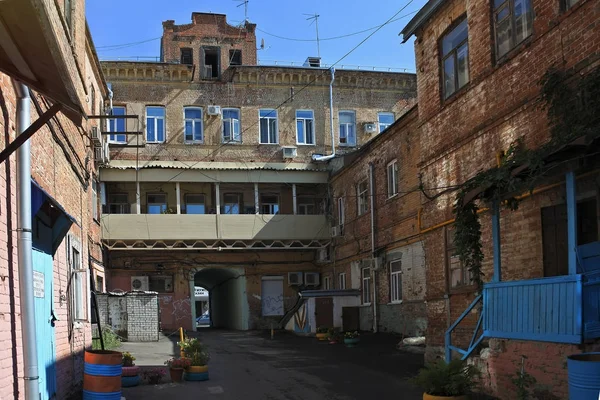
(198, 369)
(190, 346)
(130, 372)
(444, 381)
(322, 333)
(334, 336)
(153, 376)
(176, 367)
(351, 338)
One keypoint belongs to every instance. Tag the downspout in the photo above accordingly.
(316, 157)
(24, 248)
(372, 192)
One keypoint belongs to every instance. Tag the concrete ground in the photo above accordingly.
(251, 366)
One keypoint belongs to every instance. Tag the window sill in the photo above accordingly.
(394, 303)
(155, 142)
(457, 94)
(117, 143)
(346, 145)
(193, 142)
(268, 144)
(392, 197)
(235, 142)
(306, 144)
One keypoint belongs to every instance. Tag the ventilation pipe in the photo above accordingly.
(24, 243)
(316, 157)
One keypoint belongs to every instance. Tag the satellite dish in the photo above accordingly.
(262, 43)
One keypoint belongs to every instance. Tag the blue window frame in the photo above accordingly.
(117, 125)
(305, 127)
(231, 125)
(268, 126)
(155, 124)
(192, 123)
(384, 119)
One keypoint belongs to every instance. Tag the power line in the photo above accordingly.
(123, 45)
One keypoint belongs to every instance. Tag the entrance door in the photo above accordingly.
(43, 295)
(324, 312)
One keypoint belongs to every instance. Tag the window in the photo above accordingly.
(232, 203)
(235, 57)
(459, 274)
(192, 122)
(272, 296)
(93, 99)
(157, 203)
(569, 3)
(347, 128)
(118, 203)
(95, 199)
(305, 131)
(342, 280)
(306, 205)
(341, 215)
(161, 284)
(396, 281)
(513, 22)
(366, 285)
(384, 119)
(187, 56)
(155, 124)
(455, 59)
(211, 66)
(78, 279)
(327, 283)
(231, 125)
(69, 14)
(99, 284)
(194, 204)
(117, 125)
(269, 204)
(392, 178)
(268, 126)
(362, 191)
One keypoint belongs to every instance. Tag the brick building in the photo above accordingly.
(58, 62)
(480, 65)
(381, 252)
(223, 150)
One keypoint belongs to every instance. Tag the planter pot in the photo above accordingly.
(432, 397)
(351, 342)
(130, 381)
(584, 376)
(322, 336)
(133, 370)
(196, 373)
(176, 374)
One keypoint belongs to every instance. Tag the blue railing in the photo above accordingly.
(465, 353)
(591, 305)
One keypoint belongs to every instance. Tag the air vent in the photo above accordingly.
(295, 278)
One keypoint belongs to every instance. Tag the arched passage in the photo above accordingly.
(228, 301)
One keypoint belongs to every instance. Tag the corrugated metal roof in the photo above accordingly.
(208, 165)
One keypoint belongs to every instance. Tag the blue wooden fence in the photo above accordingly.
(546, 309)
(591, 305)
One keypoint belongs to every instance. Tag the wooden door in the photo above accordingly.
(350, 318)
(554, 240)
(324, 312)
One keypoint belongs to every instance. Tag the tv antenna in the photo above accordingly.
(315, 19)
(245, 4)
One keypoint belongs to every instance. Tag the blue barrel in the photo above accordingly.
(584, 376)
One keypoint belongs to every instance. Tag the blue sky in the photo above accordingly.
(119, 22)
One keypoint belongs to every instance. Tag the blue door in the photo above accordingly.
(43, 292)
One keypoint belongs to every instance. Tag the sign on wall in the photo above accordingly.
(38, 284)
(200, 293)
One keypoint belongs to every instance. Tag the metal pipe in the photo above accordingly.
(372, 192)
(332, 155)
(24, 245)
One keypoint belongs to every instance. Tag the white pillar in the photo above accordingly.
(256, 202)
(218, 198)
(294, 199)
(138, 198)
(178, 194)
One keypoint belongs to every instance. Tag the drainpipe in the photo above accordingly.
(316, 157)
(25, 253)
(372, 192)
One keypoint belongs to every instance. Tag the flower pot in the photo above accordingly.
(322, 336)
(432, 397)
(130, 371)
(351, 342)
(196, 373)
(176, 374)
(130, 381)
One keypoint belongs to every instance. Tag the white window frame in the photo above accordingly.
(395, 282)
(156, 119)
(273, 115)
(342, 280)
(194, 122)
(347, 125)
(78, 280)
(312, 124)
(392, 178)
(114, 139)
(382, 126)
(270, 205)
(341, 214)
(362, 198)
(327, 283)
(366, 286)
(231, 122)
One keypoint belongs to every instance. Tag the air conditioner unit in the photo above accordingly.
(106, 153)
(294, 278)
(139, 283)
(323, 255)
(370, 127)
(378, 263)
(213, 110)
(311, 279)
(289, 152)
(96, 137)
(162, 283)
(99, 154)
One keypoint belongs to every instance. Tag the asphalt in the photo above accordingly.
(252, 366)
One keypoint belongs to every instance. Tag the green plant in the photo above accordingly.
(322, 329)
(200, 359)
(351, 335)
(128, 359)
(178, 363)
(154, 376)
(523, 380)
(111, 340)
(455, 378)
(190, 346)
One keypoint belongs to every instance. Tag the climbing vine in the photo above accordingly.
(573, 107)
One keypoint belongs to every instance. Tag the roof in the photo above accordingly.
(422, 16)
(210, 165)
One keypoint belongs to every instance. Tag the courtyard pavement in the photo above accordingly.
(252, 366)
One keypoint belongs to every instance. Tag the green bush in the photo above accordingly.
(111, 340)
(447, 379)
